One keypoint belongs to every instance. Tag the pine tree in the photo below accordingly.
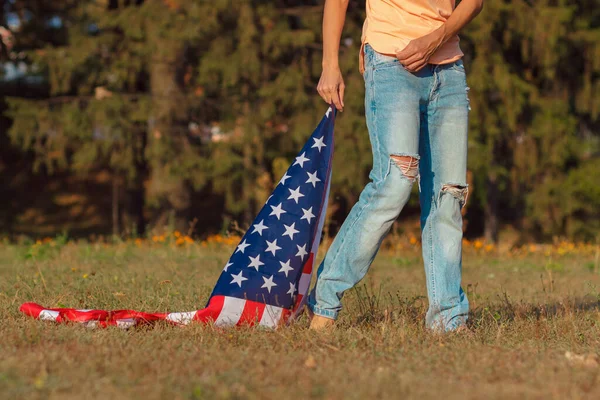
(116, 100)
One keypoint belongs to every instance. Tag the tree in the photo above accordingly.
(530, 95)
(116, 98)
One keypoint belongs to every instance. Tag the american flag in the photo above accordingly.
(266, 279)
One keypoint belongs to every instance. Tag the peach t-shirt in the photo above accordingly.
(392, 24)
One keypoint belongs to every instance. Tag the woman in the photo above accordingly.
(416, 107)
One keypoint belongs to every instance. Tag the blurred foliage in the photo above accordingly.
(180, 99)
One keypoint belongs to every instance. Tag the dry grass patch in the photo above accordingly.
(526, 315)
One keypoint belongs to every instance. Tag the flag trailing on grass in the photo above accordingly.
(266, 279)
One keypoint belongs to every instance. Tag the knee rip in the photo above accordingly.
(408, 165)
(459, 192)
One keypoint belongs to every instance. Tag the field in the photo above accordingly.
(535, 328)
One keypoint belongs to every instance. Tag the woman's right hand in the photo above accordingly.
(331, 87)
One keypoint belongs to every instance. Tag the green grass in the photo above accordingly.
(527, 313)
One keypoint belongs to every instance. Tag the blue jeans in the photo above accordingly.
(421, 117)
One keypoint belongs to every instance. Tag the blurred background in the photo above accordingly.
(123, 117)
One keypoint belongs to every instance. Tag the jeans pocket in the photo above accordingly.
(458, 65)
(380, 61)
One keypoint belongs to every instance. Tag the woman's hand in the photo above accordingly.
(418, 51)
(331, 87)
(416, 55)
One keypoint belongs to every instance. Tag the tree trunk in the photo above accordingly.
(166, 137)
(490, 208)
(116, 228)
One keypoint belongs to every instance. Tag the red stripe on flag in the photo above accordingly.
(252, 313)
(309, 264)
(285, 316)
(212, 311)
(31, 309)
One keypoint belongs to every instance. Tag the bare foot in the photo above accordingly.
(319, 323)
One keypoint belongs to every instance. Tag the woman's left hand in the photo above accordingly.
(418, 51)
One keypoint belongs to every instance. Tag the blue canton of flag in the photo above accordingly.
(271, 263)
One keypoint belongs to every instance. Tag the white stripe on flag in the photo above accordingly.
(231, 312)
(271, 316)
(125, 323)
(315, 245)
(304, 283)
(90, 324)
(49, 315)
(183, 318)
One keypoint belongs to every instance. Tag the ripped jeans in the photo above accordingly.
(418, 130)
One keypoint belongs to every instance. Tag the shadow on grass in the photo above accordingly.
(368, 307)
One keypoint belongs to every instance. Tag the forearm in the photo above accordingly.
(334, 17)
(461, 16)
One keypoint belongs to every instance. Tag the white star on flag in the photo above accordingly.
(290, 230)
(295, 194)
(242, 246)
(272, 246)
(328, 112)
(318, 143)
(308, 215)
(268, 283)
(312, 178)
(255, 262)
(229, 264)
(292, 289)
(301, 252)
(277, 211)
(259, 227)
(284, 178)
(301, 160)
(239, 278)
(285, 267)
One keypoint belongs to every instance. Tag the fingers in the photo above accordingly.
(332, 94)
(416, 66)
(411, 58)
(335, 97)
(324, 93)
(404, 53)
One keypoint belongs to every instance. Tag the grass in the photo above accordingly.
(528, 312)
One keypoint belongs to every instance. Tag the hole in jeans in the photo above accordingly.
(408, 165)
(459, 192)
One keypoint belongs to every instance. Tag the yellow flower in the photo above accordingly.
(478, 244)
(85, 276)
(177, 234)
